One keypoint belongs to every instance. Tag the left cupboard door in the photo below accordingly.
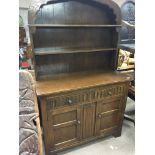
(64, 126)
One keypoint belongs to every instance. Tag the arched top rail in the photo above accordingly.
(37, 5)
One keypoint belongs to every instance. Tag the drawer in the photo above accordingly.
(84, 96)
(110, 91)
(62, 100)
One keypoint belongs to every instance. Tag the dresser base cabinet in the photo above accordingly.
(76, 117)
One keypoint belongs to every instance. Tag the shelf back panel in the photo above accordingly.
(74, 38)
(74, 62)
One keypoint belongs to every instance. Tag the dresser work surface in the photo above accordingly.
(78, 81)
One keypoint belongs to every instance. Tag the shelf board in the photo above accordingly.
(53, 50)
(69, 26)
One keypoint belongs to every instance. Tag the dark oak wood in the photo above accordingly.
(76, 116)
(66, 127)
(53, 50)
(37, 4)
(62, 83)
(67, 26)
(108, 115)
(52, 65)
(88, 120)
(82, 96)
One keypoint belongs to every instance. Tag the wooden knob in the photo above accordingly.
(99, 115)
(78, 122)
(70, 101)
(109, 93)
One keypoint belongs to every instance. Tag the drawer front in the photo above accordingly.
(84, 96)
(62, 100)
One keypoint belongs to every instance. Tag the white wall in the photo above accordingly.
(24, 3)
(23, 12)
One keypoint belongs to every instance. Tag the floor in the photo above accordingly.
(124, 145)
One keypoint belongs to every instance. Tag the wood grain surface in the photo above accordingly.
(68, 82)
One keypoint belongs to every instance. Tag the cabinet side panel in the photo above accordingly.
(46, 127)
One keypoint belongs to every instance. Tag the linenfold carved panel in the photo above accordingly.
(83, 96)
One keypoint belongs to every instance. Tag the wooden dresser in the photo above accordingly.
(81, 95)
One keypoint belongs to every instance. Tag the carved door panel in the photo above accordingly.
(108, 116)
(88, 120)
(65, 126)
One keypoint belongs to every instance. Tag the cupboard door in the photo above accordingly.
(108, 116)
(88, 120)
(65, 126)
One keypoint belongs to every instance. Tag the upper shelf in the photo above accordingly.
(58, 50)
(70, 26)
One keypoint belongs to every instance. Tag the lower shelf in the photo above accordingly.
(63, 50)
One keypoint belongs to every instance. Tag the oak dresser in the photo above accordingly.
(81, 95)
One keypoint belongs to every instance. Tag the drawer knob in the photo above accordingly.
(70, 101)
(78, 122)
(99, 116)
(109, 93)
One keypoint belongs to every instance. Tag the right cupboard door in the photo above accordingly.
(108, 116)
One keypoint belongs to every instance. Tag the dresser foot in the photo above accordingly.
(54, 153)
(117, 134)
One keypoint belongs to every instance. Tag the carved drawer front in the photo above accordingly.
(62, 100)
(109, 91)
(85, 95)
(108, 115)
(65, 126)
